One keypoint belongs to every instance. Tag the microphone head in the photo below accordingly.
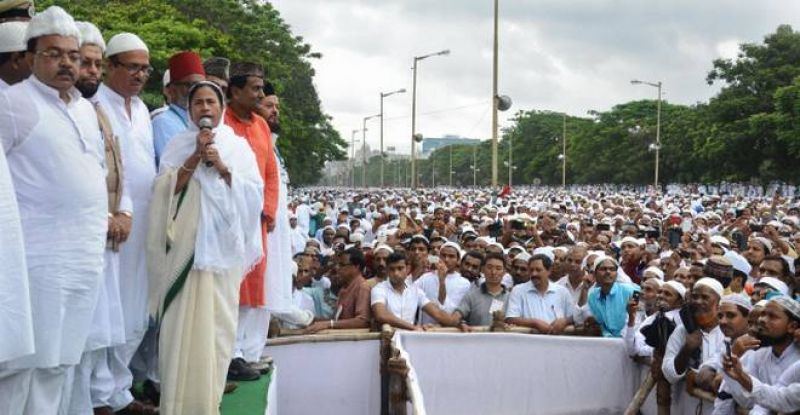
(205, 122)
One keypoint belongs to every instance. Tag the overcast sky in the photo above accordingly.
(560, 55)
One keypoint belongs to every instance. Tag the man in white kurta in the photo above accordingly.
(279, 255)
(52, 142)
(15, 305)
(455, 286)
(91, 383)
(130, 120)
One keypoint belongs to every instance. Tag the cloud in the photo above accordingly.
(571, 56)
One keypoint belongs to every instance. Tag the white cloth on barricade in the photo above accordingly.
(508, 373)
(332, 378)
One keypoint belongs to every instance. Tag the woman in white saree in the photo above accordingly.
(203, 236)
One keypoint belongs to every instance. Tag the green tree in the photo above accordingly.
(238, 30)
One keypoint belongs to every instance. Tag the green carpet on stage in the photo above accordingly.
(250, 398)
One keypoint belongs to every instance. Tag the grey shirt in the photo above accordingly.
(476, 305)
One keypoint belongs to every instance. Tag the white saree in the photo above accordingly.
(200, 242)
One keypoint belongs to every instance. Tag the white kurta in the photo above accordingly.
(15, 304)
(298, 239)
(56, 158)
(278, 284)
(108, 325)
(135, 135)
(456, 287)
(303, 213)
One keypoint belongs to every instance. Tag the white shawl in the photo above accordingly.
(228, 233)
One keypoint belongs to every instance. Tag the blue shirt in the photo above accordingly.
(166, 125)
(611, 310)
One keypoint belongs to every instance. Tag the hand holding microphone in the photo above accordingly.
(206, 124)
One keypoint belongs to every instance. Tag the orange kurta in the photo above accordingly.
(258, 135)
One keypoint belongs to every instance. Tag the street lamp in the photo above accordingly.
(414, 113)
(353, 159)
(474, 167)
(364, 149)
(451, 165)
(657, 146)
(563, 155)
(384, 95)
(510, 168)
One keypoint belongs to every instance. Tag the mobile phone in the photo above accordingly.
(636, 295)
(603, 227)
(728, 347)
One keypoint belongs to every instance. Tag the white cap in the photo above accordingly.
(546, 251)
(522, 256)
(165, 79)
(711, 283)
(764, 241)
(12, 37)
(737, 299)
(630, 239)
(678, 287)
(384, 247)
(451, 245)
(602, 258)
(655, 270)
(125, 42)
(721, 240)
(53, 21)
(775, 284)
(739, 262)
(90, 35)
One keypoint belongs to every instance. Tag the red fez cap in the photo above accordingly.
(184, 64)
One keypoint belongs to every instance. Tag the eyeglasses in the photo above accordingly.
(133, 68)
(58, 55)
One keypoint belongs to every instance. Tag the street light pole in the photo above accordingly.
(384, 95)
(657, 146)
(494, 99)
(564, 153)
(433, 171)
(510, 159)
(364, 150)
(353, 159)
(414, 113)
(474, 167)
(451, 165)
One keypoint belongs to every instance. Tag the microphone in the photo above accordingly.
(206, 123)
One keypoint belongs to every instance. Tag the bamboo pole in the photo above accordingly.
(322, 338)
(641, 395)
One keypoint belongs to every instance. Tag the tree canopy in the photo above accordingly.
(238, 30)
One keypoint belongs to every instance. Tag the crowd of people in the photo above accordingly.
(156, 247)
(135, 243)
(702, 283)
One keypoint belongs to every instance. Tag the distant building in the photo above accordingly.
(431, 144)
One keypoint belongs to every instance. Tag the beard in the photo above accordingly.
(274, 126)
(87, 88)
(768, 341)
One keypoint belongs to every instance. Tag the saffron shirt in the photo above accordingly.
(258, 136)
